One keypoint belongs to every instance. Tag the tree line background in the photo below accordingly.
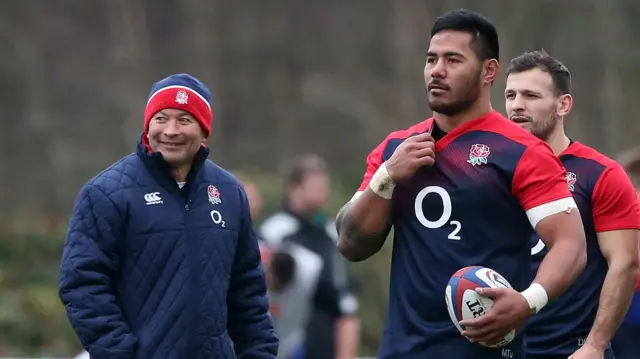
(331, 77)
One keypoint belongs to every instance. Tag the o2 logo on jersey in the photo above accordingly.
(216, 217)
(445, 218)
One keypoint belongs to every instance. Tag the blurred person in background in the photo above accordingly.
(581, 322)
(161, 260)
(292, 276)
(626, 342)
(333, 329)
(253, 194)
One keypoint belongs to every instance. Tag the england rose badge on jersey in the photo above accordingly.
(571, 180)
(478, 154)
(214, 195)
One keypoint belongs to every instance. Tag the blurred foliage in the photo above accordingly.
(32, 319)
(333, 77)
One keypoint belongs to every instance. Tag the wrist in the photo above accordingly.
(381, 183)
(536, 296)
(596, 342)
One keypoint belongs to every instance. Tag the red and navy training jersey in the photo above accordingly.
(473, 207)
(607, 201)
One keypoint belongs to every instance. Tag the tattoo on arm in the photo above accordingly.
(357, 243)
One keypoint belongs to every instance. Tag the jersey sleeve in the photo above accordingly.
(615, 202)
(540, 185)
(374, 161)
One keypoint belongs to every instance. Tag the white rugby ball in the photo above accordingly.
(464, 303)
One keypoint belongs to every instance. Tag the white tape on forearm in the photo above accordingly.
(536, 296)
(356, 196)
(381, 183)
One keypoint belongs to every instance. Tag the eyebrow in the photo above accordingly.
(446, 54)
(181, 114)
(525, 91)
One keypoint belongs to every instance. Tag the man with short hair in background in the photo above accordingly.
(581, 322)
(626, 342)
(292, 274)
(333, 329)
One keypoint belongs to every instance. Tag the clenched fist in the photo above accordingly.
(415, 152)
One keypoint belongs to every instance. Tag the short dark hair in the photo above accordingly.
(283, 267)
(540, 59)
(484, 39)
(303, 166)
(630, 161)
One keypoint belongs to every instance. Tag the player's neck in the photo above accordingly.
(558, 141)
(180, 173)
(448, 123)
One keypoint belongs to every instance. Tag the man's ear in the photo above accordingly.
(490, 71)
(565, 103)
(204, 135)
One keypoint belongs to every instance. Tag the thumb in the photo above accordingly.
(489, 292)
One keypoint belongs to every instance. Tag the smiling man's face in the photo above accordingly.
(176, 134)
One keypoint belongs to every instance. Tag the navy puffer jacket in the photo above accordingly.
(150, 270)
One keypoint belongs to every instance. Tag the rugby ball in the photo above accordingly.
(464, 303)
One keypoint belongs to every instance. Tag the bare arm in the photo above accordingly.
(539, 183)
(364, 223)
(619, 248)
(563, 233)
(363, 226)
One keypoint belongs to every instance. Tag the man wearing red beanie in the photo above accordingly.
(161, 260)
